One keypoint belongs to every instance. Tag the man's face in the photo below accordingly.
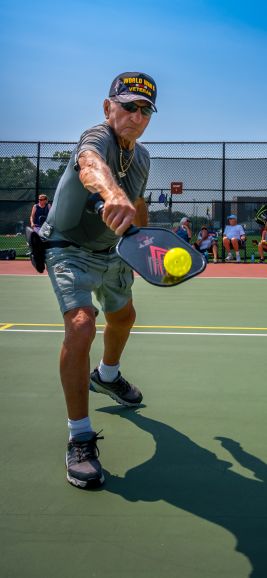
(204, 233)
(232, 222)
(127, 125)
(42, 200)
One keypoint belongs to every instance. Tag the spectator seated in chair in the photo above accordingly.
(39, 212)
(234, 237)
(184, 230)
(207, 242)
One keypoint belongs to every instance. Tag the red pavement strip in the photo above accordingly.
(18, 268)
(237, 270)
(242, 270)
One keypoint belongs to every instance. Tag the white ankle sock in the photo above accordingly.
(108, 372)
(79, 426)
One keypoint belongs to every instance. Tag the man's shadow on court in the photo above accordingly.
(195, 480)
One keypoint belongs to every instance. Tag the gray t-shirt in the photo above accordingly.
(69, 217)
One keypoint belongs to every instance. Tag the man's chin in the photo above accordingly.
(130, 134)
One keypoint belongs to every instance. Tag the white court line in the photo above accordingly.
(160, 333)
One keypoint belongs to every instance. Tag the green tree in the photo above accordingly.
(48, 179)
(18, 172)
(62, 155)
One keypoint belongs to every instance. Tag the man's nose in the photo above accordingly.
(137, 115)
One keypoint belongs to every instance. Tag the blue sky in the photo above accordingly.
(207, 57)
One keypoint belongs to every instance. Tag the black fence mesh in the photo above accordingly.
(218, 179)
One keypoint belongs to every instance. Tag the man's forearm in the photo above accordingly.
(118, 213)
(96, 176)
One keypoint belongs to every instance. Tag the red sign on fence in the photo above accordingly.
(176, 188)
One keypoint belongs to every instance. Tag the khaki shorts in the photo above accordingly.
(76, 274)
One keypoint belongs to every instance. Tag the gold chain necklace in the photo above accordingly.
(125, 165)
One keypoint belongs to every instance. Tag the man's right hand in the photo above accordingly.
(118, 214)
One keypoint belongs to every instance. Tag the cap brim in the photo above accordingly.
(130, 97)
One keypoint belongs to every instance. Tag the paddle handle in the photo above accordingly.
(95, 204)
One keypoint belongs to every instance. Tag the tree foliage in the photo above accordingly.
(19, 173)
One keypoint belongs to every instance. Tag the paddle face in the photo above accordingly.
(144, 250)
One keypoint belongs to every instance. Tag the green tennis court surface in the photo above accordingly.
(185, 493)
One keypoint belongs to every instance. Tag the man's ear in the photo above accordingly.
(106, 107)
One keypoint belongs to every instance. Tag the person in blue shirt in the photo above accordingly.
(184, 230)
(39, 212)
(233, 237)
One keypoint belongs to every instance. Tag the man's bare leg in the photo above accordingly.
(83, 467)
(117, 330)
(226, 244)
(74, 359)
(235, 246)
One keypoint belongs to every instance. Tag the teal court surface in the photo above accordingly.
(185, 493)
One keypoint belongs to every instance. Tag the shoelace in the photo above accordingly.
(87, 449)
(122, 385)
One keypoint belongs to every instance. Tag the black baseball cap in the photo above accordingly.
(129, 86)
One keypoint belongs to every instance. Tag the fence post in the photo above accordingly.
(223, 197)
(37, 184)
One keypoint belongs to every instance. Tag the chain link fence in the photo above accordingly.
(217, 179)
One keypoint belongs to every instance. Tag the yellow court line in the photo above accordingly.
(6, 325)
(199, 327)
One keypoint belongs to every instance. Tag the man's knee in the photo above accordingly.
(235, 243)
(80, 327)
(130, 317)
(124, 317)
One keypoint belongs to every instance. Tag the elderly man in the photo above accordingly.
(233, 237)
(110, 161)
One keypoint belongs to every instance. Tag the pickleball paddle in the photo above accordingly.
(144, 248)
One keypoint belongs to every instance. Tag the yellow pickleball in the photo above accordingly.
(177, 262)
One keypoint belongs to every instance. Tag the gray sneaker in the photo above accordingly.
(121, 390)
(83, 467)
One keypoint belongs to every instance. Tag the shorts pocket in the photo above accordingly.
(125, 276)
(64, 277)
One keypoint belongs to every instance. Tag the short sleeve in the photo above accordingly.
(96, 139)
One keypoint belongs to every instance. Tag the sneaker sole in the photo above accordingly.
(98, 389)
(94, 483)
